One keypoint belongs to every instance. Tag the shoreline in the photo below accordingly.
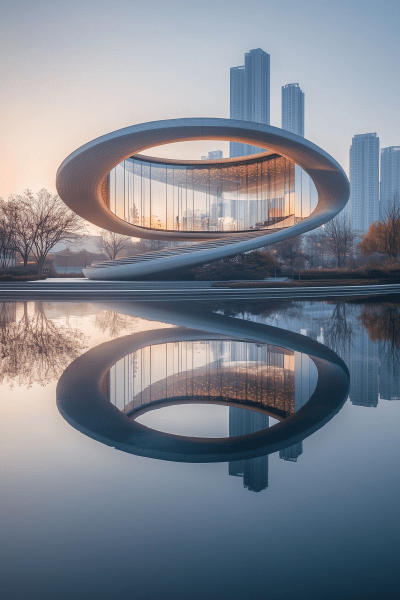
(165, 291)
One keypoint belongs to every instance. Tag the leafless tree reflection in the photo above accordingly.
(33, 348)
(339, 331)
(115, 324)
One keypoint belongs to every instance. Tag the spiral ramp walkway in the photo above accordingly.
(171, 259)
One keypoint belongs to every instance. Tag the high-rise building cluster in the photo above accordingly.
(250, 99)
(369, 199)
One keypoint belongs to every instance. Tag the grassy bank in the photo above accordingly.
(6, 277)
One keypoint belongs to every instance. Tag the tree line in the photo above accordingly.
(338, 241)
(33, 224)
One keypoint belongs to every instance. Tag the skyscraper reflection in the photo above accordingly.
(368, 340)
(254, 470)
(292, 453)
(364, 382)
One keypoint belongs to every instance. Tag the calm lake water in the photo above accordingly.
(221, 451)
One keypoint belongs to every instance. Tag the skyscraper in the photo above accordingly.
(390, 176)
(237, 106)
(250, 95)
(363, 206)
(293, 109)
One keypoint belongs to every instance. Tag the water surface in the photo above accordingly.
(315, 519)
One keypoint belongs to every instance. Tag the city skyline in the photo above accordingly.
(56, 101)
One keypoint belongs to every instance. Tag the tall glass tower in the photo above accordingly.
(390, 176)
(237, 106)
(250, 95)
(293, 109)
(363, 206)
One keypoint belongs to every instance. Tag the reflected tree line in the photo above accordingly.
(115, 324)
(382, 321)
(339, 331)
(33, 348)
(36, 349)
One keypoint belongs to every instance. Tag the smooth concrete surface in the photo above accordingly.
(150, 291)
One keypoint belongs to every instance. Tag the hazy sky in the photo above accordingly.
(72, 70)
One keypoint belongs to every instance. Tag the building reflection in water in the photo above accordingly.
(254, 470)
(366, 336)
(271, 381)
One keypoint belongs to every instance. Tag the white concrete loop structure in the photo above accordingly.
(81, 177)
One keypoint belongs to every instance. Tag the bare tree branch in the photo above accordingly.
(340, 237)
(54, 222)
(113, 243)
(20, 223)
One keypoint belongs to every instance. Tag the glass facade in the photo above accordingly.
(248, 373)
(263, 193)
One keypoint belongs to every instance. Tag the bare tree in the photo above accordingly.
(315, 248)
(290, 251)
(113, 243)
(383, 236)
(20, 221)
(340, 237)
(6, 237)
(53, 222)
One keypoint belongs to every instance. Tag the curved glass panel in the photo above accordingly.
(262, 193)
(262, 376)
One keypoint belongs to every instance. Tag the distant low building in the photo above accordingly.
(213, 155)
(88, 243)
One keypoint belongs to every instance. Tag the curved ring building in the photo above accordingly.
(229, 205)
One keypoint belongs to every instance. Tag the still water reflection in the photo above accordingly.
(257, 391)
(274, 382)
(171, 373)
